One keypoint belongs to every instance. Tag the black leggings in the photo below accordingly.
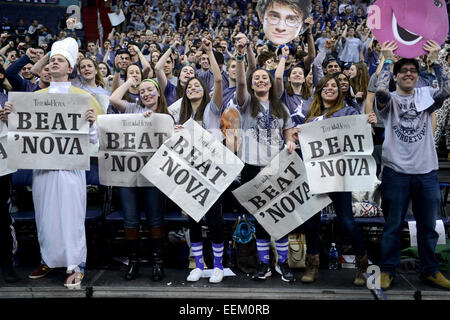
(214, 222)
(248, 173)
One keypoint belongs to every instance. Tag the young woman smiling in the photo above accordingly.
(329, 102)
(196, 104)
(171, 92)
(90, 79)
(344, 81)
(151, 100)
(266, 125)
(297, 93)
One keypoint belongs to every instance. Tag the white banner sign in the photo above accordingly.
(127, 142)
(4, 150)
(193, 169)
(279, 196)
(338, 154)
(48, 131)
(115, 18)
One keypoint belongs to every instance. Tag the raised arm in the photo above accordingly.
(383, 96)
(251, 59)
(317, 63)
(116, 79)
(442, 78)
(116, 97)
(311, 45)
(159, 67)
(241, 81)
(144, 62)
(344, 35)
(279, 72)
(214, 67)
(5, 48)
(111, 34)
(13, 72)
(37, 67)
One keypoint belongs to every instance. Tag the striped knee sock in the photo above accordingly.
(263, 246)
(282, 249)
(218, 254)
(197, 251)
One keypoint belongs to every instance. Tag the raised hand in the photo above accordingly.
(433, 49)
(71, 22)
(241, 42)
(388, 48)
(207, 44)
(132, 82)
(31, 53)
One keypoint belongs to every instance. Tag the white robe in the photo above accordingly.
(59, 198)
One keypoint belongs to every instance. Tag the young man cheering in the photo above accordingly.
(410, 162)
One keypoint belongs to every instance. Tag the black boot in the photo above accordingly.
(133, 268)
(158, 266)
(133, 259)
(157, 259)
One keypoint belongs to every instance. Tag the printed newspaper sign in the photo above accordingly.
(193, 169)
(280, 197)
(338, 154)
(4, 150)
(48, 131)
(127, 142)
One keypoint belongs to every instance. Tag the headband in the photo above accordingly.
(152, 81)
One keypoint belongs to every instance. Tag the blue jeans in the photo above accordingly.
(342, 204)
(396, 190)
(152, 200)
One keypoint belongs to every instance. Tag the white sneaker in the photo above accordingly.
(195, 275)
(217, 276)
(73, 281)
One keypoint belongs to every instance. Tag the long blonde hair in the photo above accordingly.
(317, 107)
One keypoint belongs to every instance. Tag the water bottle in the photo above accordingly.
(230, 254)
(333, 258)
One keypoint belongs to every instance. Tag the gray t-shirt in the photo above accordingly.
(263, 136)
(408, 145)
(350, 50)
(320, 43)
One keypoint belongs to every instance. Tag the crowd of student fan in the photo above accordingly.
(301, 88)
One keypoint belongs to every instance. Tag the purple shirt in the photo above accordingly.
(298, 107)
(170, 93)
(228, 97)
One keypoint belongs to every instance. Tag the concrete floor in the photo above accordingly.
(109, 283)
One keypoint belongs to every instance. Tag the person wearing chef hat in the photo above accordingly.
(59, 196)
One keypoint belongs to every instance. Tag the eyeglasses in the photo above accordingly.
(405, 70)
(290, 20)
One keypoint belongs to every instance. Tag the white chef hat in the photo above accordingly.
(67, 48)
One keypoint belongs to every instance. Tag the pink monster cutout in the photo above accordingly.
(410, 23)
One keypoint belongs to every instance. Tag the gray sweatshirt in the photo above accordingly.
(408, 145)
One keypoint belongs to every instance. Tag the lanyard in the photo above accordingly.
(267, 123)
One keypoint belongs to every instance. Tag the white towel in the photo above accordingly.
(423, 98)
